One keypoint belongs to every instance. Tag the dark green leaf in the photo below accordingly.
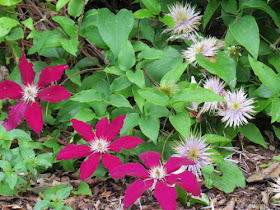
(251, 132)
(246, 32)
(210, 9)
(224, 67)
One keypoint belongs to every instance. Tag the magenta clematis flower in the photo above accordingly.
(28, 106)
(159, 177)
(100, 143)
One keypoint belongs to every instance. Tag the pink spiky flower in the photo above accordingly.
(237, 108)
(208, 47)
(195, 149)
(99, 145)
(186, 21)
(159, 177)
(28, 106)
(217, 86)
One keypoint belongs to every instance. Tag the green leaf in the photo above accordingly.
(150, 128)
(119, 101)
(151, 53)
(246, 32)
(93, 35)
(182, 194)
(274, 59)
(153, 6)
(143, 13)
(136, 77)
(6, 190)
(131, 120)
(41, 205)
(231, 176)
(126, 57)
(75, 7)
(87, 96)
(203, 200)
(196, 95)
(84, 189)
(230, 6)
(120, 83)
(155, 96)
(224, 67)
(168, 20)
(275, 110)
(63, 193)
(266, 75)
(85, 115)
(11, 179)
(19, 134)
(67, 25)
(259, 4)
(50, 193)
(182, 123)
(70, 45)
(9, 2)
(276, 131)
(114, 29)
(61, 4)
(114, 70)
(174, 74)
(251, 132)
(6, 24)
(16, 33)
(210, 9)
(213, 138)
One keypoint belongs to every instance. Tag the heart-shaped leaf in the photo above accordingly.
(114, 29)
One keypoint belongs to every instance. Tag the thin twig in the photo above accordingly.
(89, 57)
(80, 72)
(81, 18)
(163, 148)
(46, 19)
(138, 39)
(150, 77)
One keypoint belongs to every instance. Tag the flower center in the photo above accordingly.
(193, 154)
(181, 18)
(158, 172)
(30, 92)
(236, 106)
(99, 145)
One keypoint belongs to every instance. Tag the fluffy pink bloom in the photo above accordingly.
(159, 177)
(28, 105)
(99, 144)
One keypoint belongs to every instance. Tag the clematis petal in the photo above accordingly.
(9, 89)
(174, 163)
(150, 158)
(125, 142)
(48, 76)
(83, 129)
(187, 181)
(89, 166)
(135, 190)
(166, 196)
(129, 169)
(34, 116)
(101, 127)
(15, 115)
(26, 71)
(114, 128)
(73, 151)
(54, 94)
(110, 161)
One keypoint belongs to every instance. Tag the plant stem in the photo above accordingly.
(81, 18)
(150, 77)
(163, 148)
(80, 72)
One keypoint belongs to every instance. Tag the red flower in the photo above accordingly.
(159, 177)
(28, 106)
(100, 143)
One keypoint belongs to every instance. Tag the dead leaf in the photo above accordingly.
(271, 171)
